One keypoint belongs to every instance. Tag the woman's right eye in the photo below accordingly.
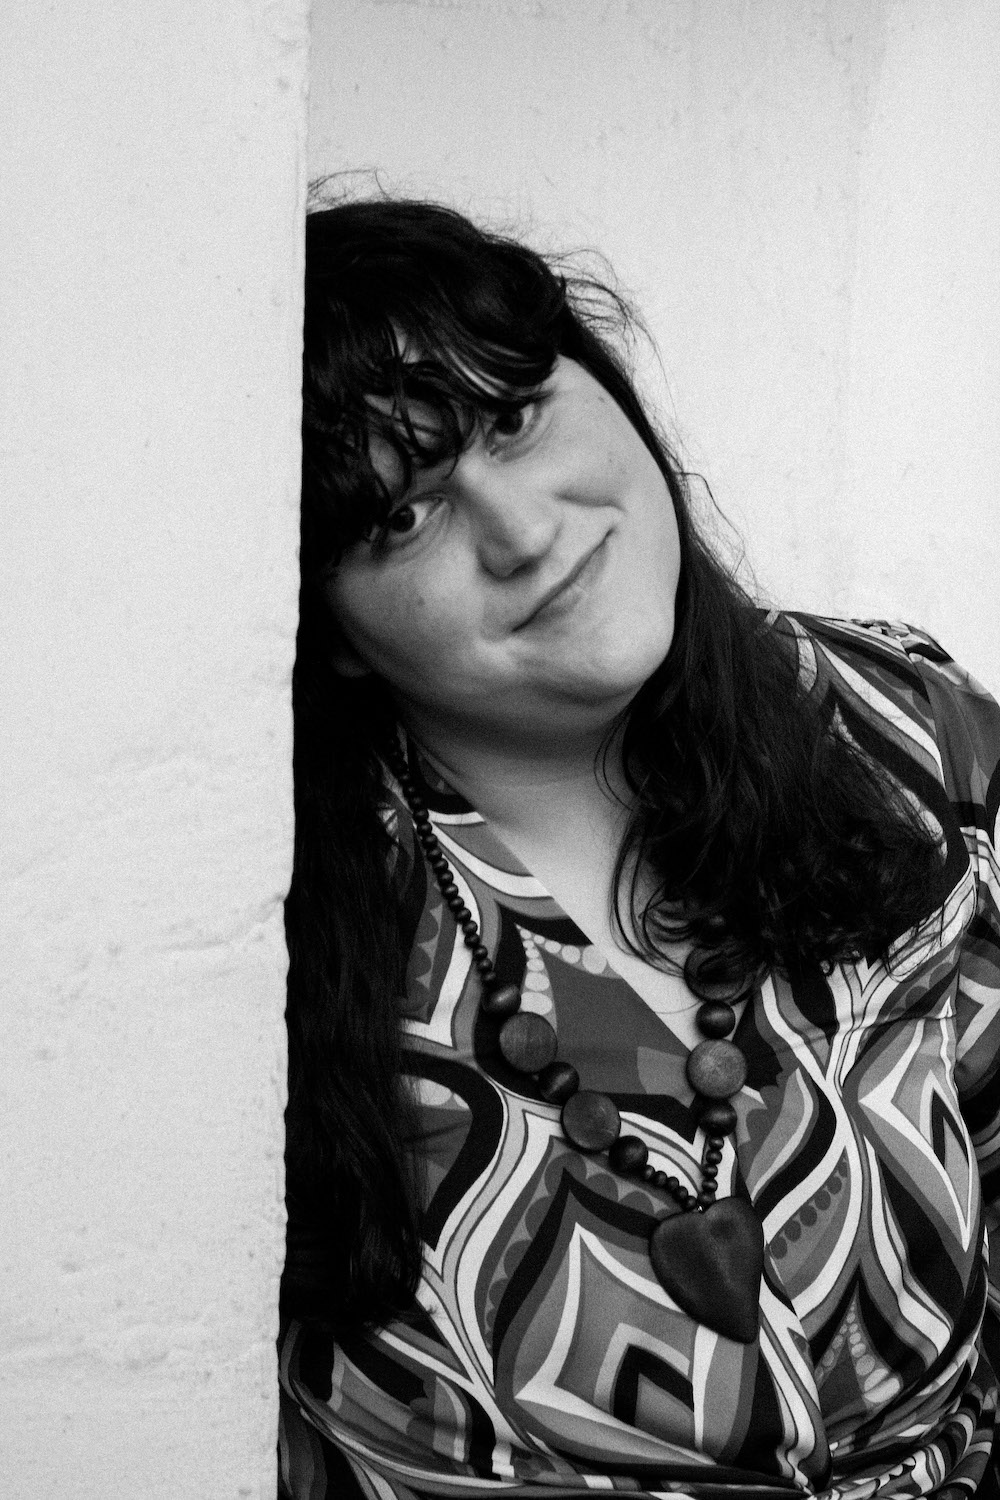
(408, 517)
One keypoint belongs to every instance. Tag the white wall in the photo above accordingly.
(801, 196)
(150, 243)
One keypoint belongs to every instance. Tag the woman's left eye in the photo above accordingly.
(513, 423)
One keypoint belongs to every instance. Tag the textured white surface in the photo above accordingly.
(150, 239)
(803, 199)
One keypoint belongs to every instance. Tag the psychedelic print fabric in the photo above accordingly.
(545, 1359)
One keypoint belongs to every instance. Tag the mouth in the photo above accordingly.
(564, 594)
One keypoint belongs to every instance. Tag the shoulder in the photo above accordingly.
(900, 683)
(879, 650)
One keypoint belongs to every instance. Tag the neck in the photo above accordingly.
(523, 785)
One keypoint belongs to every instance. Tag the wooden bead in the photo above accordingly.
(716, 1117)
(708, 974)
(558, 1081)
(628, 1155)
(716, 1069)
(528, 1042)
(591, 1121)
(501, 1000)
(715, 1018)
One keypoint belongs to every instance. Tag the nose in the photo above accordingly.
(516, 520)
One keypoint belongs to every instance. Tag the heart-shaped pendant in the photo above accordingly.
(711, 1264)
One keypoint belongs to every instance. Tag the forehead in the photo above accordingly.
(411, 437)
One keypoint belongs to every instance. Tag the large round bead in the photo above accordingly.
(708, 974)
(528, 1042)
(716, 1069)
(591, 1121)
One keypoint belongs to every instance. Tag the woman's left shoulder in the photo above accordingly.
(908, 675)
(871, 646)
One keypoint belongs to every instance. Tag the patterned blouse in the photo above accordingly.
(545, 1358)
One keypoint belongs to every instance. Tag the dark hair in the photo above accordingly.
(773, 839)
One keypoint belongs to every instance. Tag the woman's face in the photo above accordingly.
(527, 590)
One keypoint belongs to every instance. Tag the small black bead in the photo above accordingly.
(501, 1000)
(713, 1156)
(628, 1155)
(470, 926)
(659, 1179)
(715, 1018)
(717, 1117)
(673, 1183)
(448, 889)
(648, 1173)
(440, 865)
(558, 1081)
(710, 1173)
(479, 951)
(707, 1195)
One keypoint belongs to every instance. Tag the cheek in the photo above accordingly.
(402, 630)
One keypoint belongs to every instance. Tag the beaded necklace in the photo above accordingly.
(708, 1256)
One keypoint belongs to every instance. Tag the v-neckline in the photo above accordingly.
(463, 813)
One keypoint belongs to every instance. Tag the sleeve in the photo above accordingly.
(967, 722)
(310, 1467)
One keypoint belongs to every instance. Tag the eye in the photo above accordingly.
(514, 423)
(511, 423)
(409, 516)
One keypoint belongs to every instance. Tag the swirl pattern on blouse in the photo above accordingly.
(545, 1358)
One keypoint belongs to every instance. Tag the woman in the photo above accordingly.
(643, 944)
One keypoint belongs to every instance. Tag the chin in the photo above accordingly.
(617, 681)
(636, 662)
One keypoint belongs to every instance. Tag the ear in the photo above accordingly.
(345, 660)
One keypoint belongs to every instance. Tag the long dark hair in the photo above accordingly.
(774, 841)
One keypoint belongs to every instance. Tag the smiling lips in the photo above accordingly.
(563, 593)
